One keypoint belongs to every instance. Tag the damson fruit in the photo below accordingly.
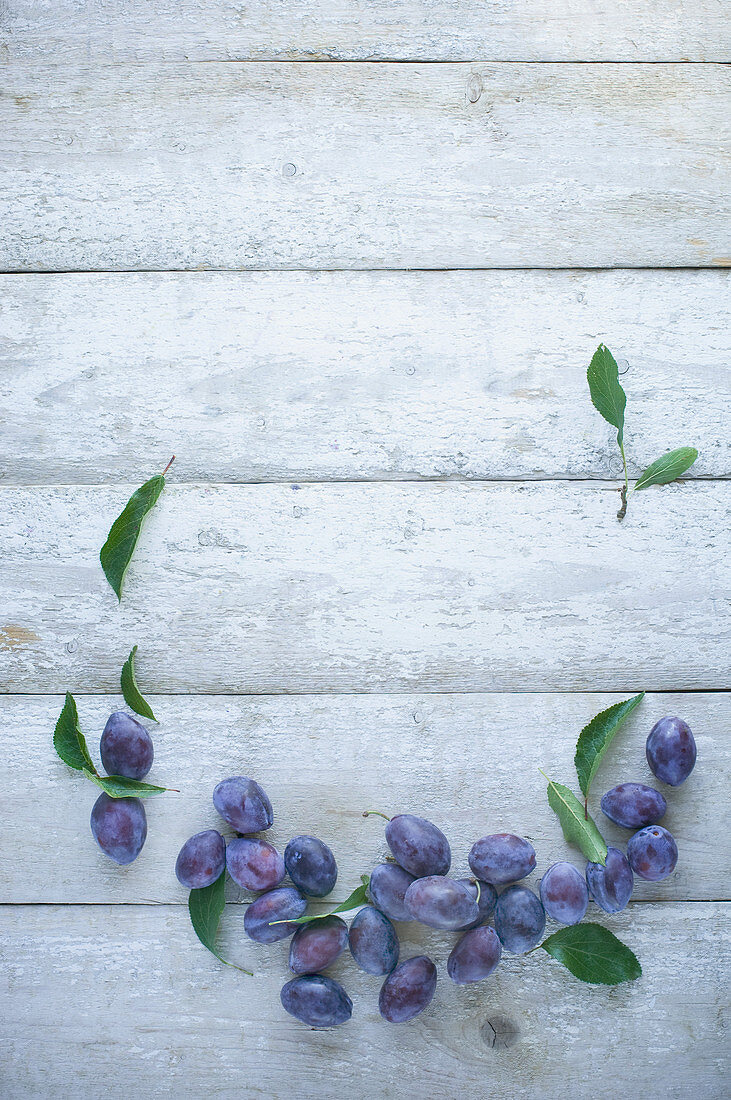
(254, 864)
(485, 902)
(243, 804)
(387, 889)
(283, 904)
(373, 941)
(311, 865)
(634, 805)
(564, 893)
(418, 846)
(502, 858)
(475, 956)
(519, 919)
(317, 1001)
(611, 886)
(119, 826)
(126, 747)
(314, 946)
(201, 860)
(652, 853)
(671, 751)
(441, 902)
(408, 990)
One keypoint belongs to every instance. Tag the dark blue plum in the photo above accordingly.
(126, 747)
(254, 864)
(652, 853)
(611, 886)
(502, 858)
(408, 990)
(317, 1001)
(418, 846)
(311, 865)
(283, 904)
(519, 919)
(119, 826)
(486, 901)
(373, 941)
(671, 751)
(564, 893)
(316, 945)
(387, 889)
(441, 902)
(201, 860)
(634, 805)
(243, 804)
(474, 956)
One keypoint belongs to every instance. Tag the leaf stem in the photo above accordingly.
(623, 510)
(163, 475)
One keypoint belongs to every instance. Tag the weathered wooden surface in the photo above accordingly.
(469, 762)
(362, 166)
(266, 376)
(346, 30)
(367, 587)
(99, 997)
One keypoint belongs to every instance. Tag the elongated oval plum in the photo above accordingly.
(564, 893)
(311, 865)
(441, 902)
(474, 956)
(387, 889)
(634, 805)
(373, 941)
(254, 864)
(243, 804)
(652, 853)
(408, 989)
(201, 860)
(519, 919)
(316, 1000)
(316, 945)
(502, 858)
(418, 846)
(126, 747)
(671, 751)
(119, 826)
(486, 899)
(611, 885)
(283, 904)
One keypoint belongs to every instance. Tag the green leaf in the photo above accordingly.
(357, 898)
(118, 786)
(593, 954)
(206, 908)
(667, 468)
(132, 695)
(577, 825)
(595, 738)
(117, 551)
(607, 395)
(69, 741)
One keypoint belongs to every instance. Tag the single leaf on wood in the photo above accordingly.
(357, 898)
(577, 825)
(206, 908)
(118, 786)
(607, 395)
(132, 695)
(69, 741)
(667, 468)
(116, 553)
(593, 954)
(595, 738)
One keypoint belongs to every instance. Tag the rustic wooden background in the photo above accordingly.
(349, 262)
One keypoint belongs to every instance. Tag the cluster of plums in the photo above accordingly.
(119, 825)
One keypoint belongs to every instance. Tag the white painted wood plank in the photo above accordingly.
(468, 762)
(347, 30)
(347, 375)
(368, 587)
(360, 166)
(127, 995)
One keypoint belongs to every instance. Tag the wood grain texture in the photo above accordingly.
(468, 762)
(363, 166)
(128, 994)
(353, 30)
(262, 376)
(371, 587)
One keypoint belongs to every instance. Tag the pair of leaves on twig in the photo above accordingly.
(116, 553)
